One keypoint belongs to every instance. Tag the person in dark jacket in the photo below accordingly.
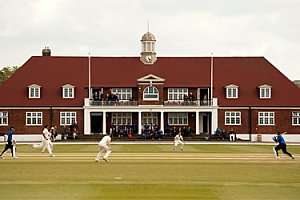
(281, 145)
(9, 144)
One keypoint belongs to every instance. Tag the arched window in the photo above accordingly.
(151, 93)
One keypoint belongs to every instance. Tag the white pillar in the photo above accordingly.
(104, 123)
(214, 118)
(162, 124)
(87, 122)
(197, 123)
(140, 123)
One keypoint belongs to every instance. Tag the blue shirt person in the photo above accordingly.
(281, 145)
(9, 144)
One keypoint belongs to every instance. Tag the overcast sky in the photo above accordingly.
(269, 28)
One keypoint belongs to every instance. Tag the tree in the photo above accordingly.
(6, 73)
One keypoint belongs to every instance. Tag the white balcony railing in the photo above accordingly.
(201, 103)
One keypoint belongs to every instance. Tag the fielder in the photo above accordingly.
(104, 146)
(10, 144)
(281, 145)
(46, 141)
(178, 139)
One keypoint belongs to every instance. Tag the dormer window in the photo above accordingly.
(265, 91)
(68, 91)
(232, 91)
(151, 93)
(34, 91)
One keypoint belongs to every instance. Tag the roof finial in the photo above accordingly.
(148, 27)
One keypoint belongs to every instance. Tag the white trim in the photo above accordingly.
(184, 116)
(151, 78)
(70, 117)
(34, 86)
(231, 86)
(236, 89)
(68, 86)
(297, 117)
(264, 86)
(265, 89)
(36, 117)
(72, 93)
(177, 93)
(235, 117)
(35, 89)
(264, 117)
(155, 92)
(2, 116)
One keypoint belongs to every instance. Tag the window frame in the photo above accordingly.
(120, 118)
(174, 118)
(34, 116)
(231, 118)
(3, 117)
(69, 89)
(34, 92)
(232, 93)
(153, 93)
(265, 93)
(149, 118)
(263, 116)
(127, 92)
(172, 92)
(296, 116)
(68, 116)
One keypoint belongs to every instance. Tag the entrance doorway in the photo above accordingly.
(96, 122)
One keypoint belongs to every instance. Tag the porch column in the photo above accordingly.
(140, 123)
(104, 123)
(87, 122)
(162, 124)
(214, 122)
(197, 123)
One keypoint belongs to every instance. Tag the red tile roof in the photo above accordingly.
(54, 72)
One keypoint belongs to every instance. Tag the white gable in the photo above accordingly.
(34, 86)
(151, 78)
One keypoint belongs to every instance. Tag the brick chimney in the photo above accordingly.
(46, 51)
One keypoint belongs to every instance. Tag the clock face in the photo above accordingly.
(148, 58)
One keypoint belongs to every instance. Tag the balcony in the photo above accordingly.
(189, 103)
(112, 103)
(202, 103)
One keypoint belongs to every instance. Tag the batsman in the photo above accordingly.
(281, 145)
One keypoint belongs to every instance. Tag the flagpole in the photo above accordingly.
(89, 75)
(211, 76)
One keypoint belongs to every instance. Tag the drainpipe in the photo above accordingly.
(51, 115)
(250, 124)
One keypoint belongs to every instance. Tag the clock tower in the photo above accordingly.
(148, 55)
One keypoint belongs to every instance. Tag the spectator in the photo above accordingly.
(65, 132)
(191, 97)
(75, 130)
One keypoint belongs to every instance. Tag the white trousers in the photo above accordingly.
(44, 144)
(105, 149)
(176, 142)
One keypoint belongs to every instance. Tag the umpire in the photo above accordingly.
(282, 145)
(9, 144)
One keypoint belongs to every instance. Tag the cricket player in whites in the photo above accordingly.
(46, 142)
(178, 139)
(104, 146)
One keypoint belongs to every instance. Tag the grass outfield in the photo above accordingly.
(151, 172)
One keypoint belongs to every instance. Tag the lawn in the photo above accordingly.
(151, 172)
